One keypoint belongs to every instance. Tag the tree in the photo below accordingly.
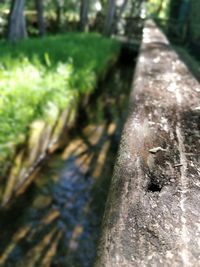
(121, 10)
(40, 16)
(16, 22)
(59, 4)
(84, 14)
(160, 7)
(109, 22)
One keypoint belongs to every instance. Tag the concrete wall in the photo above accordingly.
(153, 209)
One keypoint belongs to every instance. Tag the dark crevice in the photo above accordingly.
(152, 187)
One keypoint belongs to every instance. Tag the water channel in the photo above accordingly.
(56, 222)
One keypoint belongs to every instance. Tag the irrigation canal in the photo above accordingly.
(56, 222)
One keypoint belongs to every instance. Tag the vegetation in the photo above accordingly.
(40, 77)
(191, 62)
(46, 74)
(158, 9)
(194, 21)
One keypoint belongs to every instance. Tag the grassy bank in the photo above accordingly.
(40, 77)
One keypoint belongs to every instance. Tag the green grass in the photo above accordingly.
(40, 77)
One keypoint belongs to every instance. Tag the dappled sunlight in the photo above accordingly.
(62, 222)
(100, 161)
(16, 238)
(39, 80)
(73, 243)
(51, 252)
(66, 74)
(34, 255)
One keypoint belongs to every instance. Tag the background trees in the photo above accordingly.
(35, 17)
(84, 14)
(64, 15)
(40, 16)
(109, 21)
(16, 24)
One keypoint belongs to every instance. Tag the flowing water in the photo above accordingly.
(56, 222)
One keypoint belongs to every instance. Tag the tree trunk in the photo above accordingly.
(17, 24)
(121, 11)
(160, 7)
(40, 17)
(84, 14)
(110, 18)
(122, 8)
(59, 13)
(58, 16)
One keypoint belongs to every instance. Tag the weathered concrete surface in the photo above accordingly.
(153, 209)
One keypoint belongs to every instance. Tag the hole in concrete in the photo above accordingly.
(154, 188)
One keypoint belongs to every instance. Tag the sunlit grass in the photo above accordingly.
(40, 77)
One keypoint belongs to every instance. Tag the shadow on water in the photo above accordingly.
(57, 221)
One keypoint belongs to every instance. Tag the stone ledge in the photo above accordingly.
(152, 216)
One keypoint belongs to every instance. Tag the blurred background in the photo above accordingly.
(179, 18)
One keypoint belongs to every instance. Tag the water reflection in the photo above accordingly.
(58, 220)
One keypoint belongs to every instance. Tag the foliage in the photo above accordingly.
(191, 62)
(39, 77)
(158, 8)
(195, 21)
